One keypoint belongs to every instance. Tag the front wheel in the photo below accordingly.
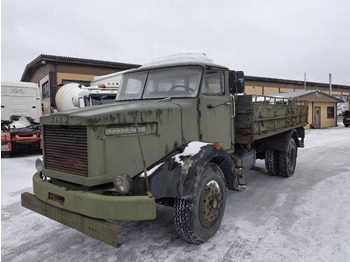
(197, 218)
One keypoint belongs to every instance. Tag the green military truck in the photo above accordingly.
(180, 133)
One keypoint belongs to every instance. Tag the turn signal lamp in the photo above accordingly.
(217, 145)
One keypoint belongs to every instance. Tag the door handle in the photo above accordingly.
(212, 107)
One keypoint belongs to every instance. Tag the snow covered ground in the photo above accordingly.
(302, 218)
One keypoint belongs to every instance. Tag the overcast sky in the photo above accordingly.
(270, 38)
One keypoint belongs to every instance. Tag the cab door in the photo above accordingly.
(215, 108)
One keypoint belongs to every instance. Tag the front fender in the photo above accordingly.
(179, 174)
(192, 169)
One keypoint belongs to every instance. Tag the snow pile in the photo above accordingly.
(191, 149)
(184, 57)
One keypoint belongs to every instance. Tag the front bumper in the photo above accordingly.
(96, 228)
(95, 205)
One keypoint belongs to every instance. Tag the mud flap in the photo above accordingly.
(96, 228)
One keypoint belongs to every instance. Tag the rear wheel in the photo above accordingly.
(271, 162)
(199, 217)
(288, 160)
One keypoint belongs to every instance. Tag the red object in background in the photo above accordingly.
(15, 141)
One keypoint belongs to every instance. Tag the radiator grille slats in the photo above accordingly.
(65, 149)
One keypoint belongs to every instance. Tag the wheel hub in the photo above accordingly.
(210, 203)
(292, 158)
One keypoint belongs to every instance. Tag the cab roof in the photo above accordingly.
(179, 59)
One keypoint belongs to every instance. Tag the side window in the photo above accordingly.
(214, 83)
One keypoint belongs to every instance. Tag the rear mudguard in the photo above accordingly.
(177, 175)
(281, 141)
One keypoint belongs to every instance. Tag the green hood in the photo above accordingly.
(116, 113)
(112, 143)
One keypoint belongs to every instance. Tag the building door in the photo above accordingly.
(317, 119)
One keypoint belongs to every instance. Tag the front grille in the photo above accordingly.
(65, 149)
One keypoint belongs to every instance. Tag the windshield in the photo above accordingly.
(161, 83)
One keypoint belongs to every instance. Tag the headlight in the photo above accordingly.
(123, 184)
(39, 164)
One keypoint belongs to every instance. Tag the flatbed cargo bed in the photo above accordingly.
(259, 117)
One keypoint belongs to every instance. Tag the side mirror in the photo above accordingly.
(236, 82)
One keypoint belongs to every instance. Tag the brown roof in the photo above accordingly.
(71, 60)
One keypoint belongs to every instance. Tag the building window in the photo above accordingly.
(45, 90)
(330, 111)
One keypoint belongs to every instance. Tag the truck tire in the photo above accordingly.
(272, 162)
(288, 160)
(197, 218)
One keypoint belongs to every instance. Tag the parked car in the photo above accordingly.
(346, 118)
